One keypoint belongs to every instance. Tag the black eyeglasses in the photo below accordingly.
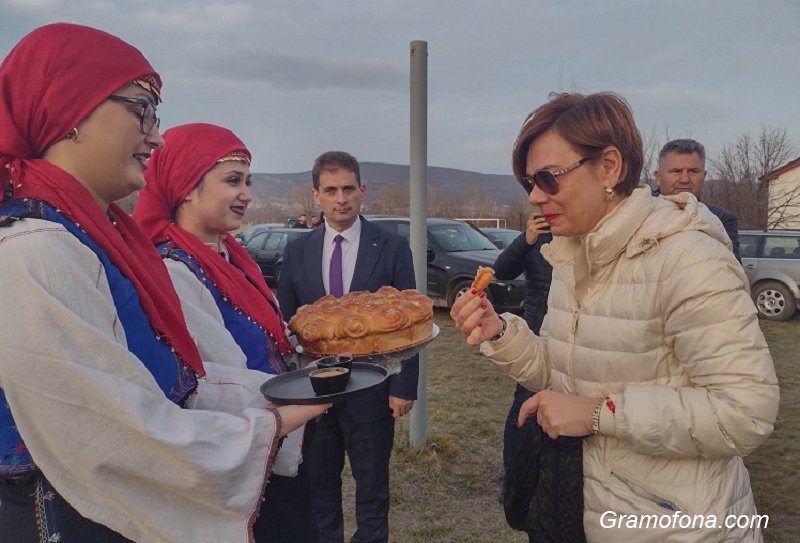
(148, 118)
(547, 180)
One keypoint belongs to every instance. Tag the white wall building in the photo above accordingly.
(784, 196)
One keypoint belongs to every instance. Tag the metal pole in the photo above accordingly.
(419, 217)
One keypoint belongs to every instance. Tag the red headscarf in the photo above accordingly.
(189, 152)
(51, 81)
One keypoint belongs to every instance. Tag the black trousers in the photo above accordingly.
(285, 515)
(21, 498)
(368, 447)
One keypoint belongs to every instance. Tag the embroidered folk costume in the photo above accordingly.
(108, 413)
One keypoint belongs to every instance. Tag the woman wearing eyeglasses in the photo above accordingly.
(112, 428)
(196, 192)
(650, 347)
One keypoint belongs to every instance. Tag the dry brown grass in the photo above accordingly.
(447, 491)
(775, 466)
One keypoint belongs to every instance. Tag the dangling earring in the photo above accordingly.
(73, 135)
(609, 194)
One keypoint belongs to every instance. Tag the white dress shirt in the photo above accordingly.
(352, 237)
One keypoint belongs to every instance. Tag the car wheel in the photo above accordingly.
(460, 289)
(774, 301)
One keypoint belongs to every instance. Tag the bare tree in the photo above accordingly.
(262, 211)
(302, 200)
(517, 214)
(740, 184)
(390, 200)
(442, 204)
(650, 147)
(475, 203)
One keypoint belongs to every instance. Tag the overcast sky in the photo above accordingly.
(295, 78)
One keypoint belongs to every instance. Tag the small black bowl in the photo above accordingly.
(326, 381)
(335, 361)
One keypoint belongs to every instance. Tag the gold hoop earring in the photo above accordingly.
(609, 194)
(73, 135)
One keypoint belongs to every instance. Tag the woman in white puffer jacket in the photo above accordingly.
(651, 345)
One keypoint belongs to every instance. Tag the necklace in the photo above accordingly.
(214, 245)
(113, 220)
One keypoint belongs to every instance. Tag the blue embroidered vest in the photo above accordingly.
(258, 346)
(174, 378)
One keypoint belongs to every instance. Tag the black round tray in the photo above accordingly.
(295, 387)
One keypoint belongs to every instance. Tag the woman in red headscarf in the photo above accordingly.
(196, 192)
(111, 426)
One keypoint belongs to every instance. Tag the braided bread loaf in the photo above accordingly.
(363, 322)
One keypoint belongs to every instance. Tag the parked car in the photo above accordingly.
(771, 260)
(501, 237)
(244, 237)
(266, 247)
(455, 250)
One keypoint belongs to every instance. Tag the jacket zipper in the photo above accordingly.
(639, 489)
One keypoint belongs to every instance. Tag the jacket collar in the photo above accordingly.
(369, 252)
(635, 226)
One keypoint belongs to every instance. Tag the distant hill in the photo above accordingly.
(504, 189)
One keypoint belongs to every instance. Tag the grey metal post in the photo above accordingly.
(419, 217)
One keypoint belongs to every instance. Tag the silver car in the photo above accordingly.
(771, 260)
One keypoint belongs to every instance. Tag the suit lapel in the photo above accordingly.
(313, 269)
(369, 250)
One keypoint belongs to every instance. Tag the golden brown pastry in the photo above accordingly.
(483, 278)
(363, 322)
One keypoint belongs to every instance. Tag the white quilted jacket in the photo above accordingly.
(653, 309)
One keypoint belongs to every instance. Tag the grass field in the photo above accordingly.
(447, 491)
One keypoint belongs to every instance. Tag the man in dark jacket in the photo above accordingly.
(682, 168)
(523, 256)
(301, 221)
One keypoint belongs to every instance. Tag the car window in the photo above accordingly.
(507, 237)
(460, 237)
(256, 241)
(748, 245)
(286, 238)
(252, 231)
(274, 241)
(781, 247)
(404, 230)
(391, 226)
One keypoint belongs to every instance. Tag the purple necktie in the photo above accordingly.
(335, 279)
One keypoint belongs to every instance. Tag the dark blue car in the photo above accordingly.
(455, 250)
(266, 248)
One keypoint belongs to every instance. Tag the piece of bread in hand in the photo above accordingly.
(483, 278)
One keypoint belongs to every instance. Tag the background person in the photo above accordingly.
(524, 256)
(371, 257)
(682, 168)
(651, 344)
(113, 429)
(301, 221)
(197, 192)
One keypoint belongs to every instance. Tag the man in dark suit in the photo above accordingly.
(682, 168)
(369, 257)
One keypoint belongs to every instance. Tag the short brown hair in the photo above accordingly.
(589, 123)
(335, 160)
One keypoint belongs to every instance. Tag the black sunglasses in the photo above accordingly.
(547, 180)
(147, 119)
